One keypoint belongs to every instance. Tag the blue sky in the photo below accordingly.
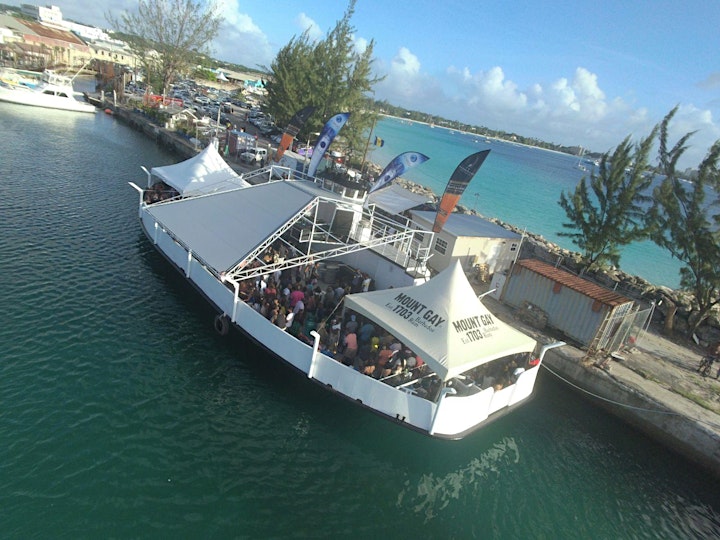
(583, 72)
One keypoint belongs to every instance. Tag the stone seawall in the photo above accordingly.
(163, 137)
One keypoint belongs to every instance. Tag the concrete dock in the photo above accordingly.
(654, 386)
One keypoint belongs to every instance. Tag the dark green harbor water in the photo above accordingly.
(124, 415)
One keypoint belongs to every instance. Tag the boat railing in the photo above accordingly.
(286, 173)
(405, 248)
(158, 228)
(351, 193)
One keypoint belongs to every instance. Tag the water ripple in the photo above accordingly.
(123, 414)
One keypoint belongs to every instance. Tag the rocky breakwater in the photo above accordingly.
(677, 304)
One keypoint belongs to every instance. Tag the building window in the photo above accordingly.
(441, 246)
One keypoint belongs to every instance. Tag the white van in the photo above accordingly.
(254, 155)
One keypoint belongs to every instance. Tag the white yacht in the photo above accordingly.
(51, 91)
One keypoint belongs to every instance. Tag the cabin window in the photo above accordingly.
(441, 246)
(513, 247)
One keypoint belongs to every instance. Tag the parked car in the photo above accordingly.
(255, 155)
(266, 128)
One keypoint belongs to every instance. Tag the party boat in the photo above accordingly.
(461, 366)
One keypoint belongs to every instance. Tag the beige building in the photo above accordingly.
(472, 240)
(33, 43)
(49, 43)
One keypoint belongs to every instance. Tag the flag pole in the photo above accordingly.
(367, 145)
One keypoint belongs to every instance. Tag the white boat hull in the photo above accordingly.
(450, 417)
(35, 98)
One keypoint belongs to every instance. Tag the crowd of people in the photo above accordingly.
(159, 191)
(295, 300)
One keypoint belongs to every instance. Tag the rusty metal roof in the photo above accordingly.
(53, 33)
(576, 283)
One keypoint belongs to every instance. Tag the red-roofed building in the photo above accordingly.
(585, 312)
(43, 45)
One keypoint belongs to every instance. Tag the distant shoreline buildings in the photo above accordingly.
(36, 37)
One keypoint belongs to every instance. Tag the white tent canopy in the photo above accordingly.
(204, 173)
(444, 322)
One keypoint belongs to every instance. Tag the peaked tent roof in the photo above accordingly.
(444, 322)
(203, 173)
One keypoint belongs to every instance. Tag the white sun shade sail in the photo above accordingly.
(203, 173)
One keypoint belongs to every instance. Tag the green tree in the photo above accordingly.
(167, 34)
(330, 75)
(612, 215)
(681, 221)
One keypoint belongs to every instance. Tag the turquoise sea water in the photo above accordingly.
(518, 184)
(124, 415)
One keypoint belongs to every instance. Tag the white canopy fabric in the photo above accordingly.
(222, 228)
(204, 173)
(444, 322)
(395, 198)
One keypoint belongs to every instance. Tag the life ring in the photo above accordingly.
(222, 324)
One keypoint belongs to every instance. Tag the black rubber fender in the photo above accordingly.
(222, 324)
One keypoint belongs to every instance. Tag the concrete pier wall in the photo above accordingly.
(660, 413)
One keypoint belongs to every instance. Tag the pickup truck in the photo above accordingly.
(255, 155)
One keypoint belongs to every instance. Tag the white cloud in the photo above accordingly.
(405, 85)
(711, 82)
(305, 23)
(569, 110)
(240, 40)
(243, 44)
(360, 44)
(486, 91)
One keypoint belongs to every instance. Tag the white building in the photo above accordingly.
(52, 16)
(472, 240)
(45, 14)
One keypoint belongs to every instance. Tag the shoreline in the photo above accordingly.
(494, 139)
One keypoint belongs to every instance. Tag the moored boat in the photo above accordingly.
(434, 359)
(51, 91)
